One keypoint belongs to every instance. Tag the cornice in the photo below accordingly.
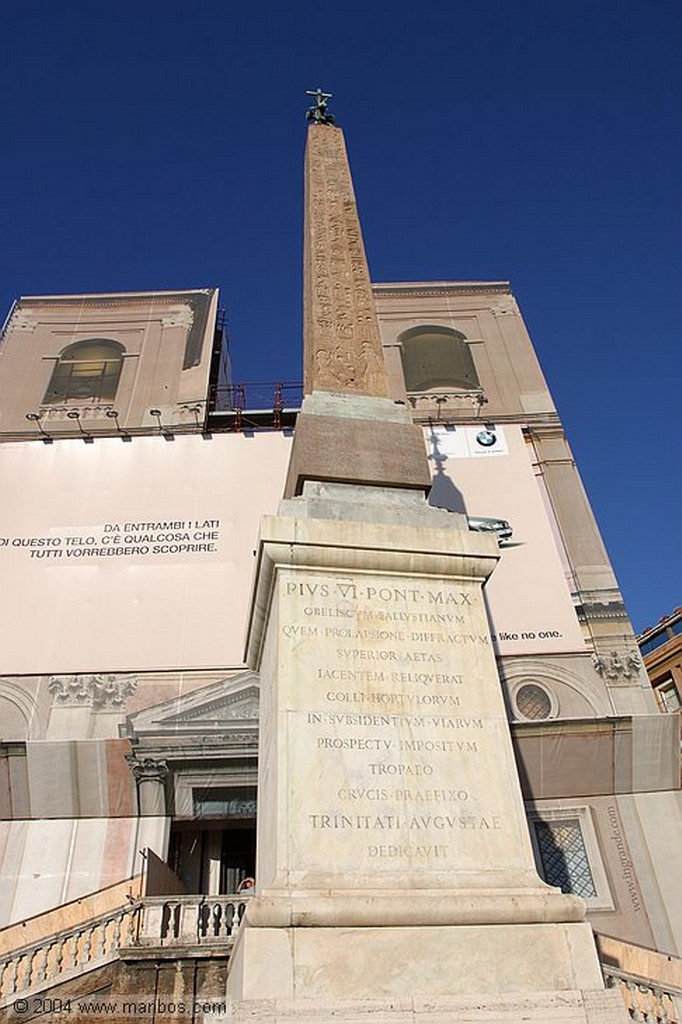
(608, 725)
(425, 289)
(111, 299)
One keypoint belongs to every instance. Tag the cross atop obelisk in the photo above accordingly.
(319, 112)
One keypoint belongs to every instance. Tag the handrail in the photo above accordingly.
(644, 1000)
(66, 954)
(83, 908)
(191, 923)
(649, 982)
(190, 920)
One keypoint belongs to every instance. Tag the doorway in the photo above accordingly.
(212, 858)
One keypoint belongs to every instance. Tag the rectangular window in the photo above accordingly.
(224, 802)
(668, 697)
(563, 855)
(87, 380)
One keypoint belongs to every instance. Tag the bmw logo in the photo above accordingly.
(486, 438)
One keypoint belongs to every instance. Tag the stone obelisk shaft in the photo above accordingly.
(341, 341)
(349, 430)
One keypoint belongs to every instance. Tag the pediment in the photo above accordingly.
(228, 705)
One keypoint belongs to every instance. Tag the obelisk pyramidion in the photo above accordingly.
(394, 864)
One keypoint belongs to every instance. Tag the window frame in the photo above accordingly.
(65, 371)
(408, 346)
(541, 683)
(582, 813)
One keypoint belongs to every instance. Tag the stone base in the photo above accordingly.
(507, 904)
(336, 440)
(596, 1006)
(332, 964)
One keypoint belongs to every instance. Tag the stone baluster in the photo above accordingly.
(224, 920)
(632, 1001)
(203, 918)
(131, 925)
(231, 917)
(20, 975)
(30, 961)
(50, 958)
(647, 1002)
(87, 944)
(9, 977)
(118, 920)
(102, 938)
(39, 964)
(214, 921)
(666, 1005)
(175, 920)
(71, 951)
(59, 955)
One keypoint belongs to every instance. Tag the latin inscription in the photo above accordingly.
(393, 716)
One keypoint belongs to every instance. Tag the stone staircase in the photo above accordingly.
(58, 958)
(143, 928)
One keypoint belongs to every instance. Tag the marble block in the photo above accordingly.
(385, 755)
(392, 963)
(393, 851)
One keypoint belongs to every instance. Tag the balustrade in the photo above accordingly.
(187, 922)
(66, 954)
(190, 920)
(645, 1001)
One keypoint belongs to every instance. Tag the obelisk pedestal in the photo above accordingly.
(393, 855)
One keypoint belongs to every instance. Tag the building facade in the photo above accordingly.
(661, 650)
(129, 744)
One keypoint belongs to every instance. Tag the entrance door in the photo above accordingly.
(213, 857)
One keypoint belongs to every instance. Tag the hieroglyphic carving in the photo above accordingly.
(342, 345)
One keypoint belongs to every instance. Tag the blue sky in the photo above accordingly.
(160, 146)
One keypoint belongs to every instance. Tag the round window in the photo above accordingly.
(532, 701)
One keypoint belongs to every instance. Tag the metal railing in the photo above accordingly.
(257, 395)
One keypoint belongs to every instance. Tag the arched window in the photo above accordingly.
(437, 357)
(88, 371)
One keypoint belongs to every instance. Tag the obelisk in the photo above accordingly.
(394, 864)
(344, 377)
